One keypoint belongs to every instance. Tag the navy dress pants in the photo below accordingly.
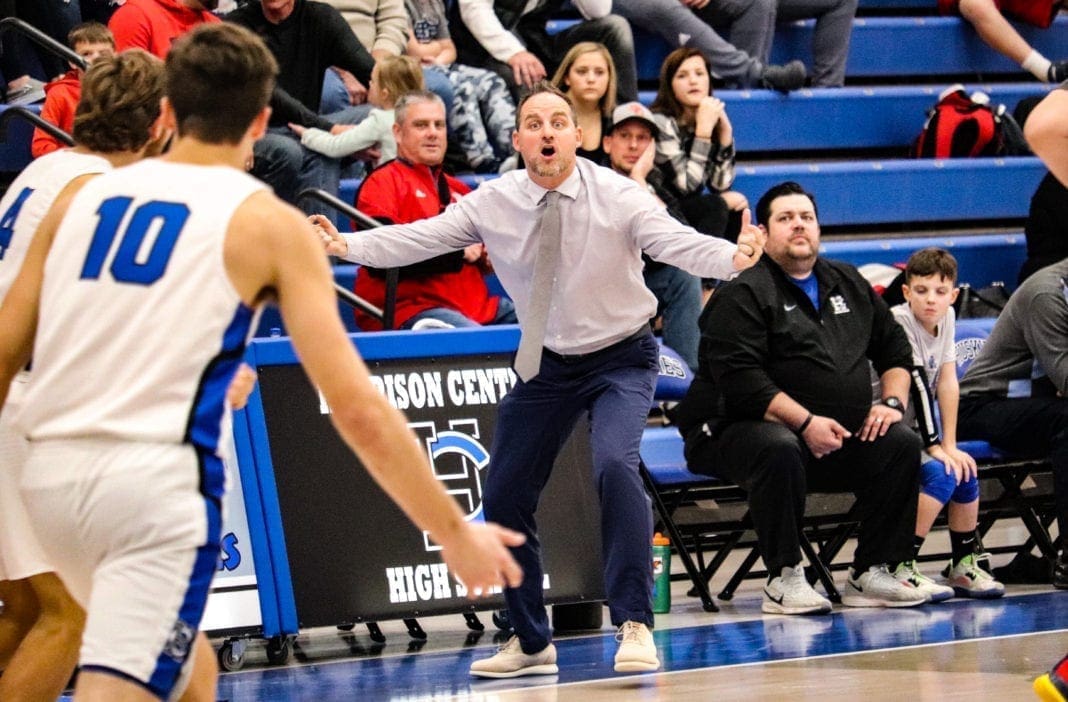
(615, 387)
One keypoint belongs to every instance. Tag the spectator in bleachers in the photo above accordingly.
(509, 37)
(482, 113)
(781, 404)
(383, 27)
(927, 317)
(89, 40)
(695, 147)
(630, 145)
(989, 19)
(306, 38)
(743, 61)
(391, 79)
(446, 291)
(587, 75)
(21, 56)
(153, 25)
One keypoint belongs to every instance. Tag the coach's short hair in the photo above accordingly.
(544, 86)
(218, 78)
(120, 101)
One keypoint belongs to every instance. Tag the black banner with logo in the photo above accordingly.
(353, 555)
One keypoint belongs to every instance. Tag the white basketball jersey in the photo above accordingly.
(140, 328)
(27, 200)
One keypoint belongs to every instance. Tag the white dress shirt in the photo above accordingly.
(599, 296)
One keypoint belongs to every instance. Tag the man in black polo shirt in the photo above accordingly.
(781, 403)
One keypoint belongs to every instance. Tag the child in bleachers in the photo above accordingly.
(988, 18)
(392, 77)
(928, 320)
(588, 76)
(482, 114)
(695, 144)
(89, 40)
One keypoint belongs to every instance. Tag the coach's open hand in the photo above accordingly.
(750, 243)
(332, 241)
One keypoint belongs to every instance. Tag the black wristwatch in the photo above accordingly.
(893, 403)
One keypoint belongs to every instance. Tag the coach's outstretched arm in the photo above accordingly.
(270, 247)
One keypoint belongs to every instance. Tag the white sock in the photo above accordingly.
(1037, 65)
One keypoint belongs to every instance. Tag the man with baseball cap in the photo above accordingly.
(631, 147)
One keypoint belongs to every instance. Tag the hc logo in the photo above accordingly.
(456, 456)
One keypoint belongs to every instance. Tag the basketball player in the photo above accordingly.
(123, 410)
(116, 123)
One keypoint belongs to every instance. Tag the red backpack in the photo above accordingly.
(963, 125)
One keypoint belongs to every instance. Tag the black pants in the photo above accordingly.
(774, 466)
(1027, 426)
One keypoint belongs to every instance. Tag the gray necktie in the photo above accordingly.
(528, 357)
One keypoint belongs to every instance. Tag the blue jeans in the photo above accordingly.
(444, 317)
(678, 302)
(614, 387)
(282, 162)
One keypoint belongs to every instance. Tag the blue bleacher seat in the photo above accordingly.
(15, 144)
(907, 190)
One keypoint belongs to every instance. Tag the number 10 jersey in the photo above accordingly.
(140, 327)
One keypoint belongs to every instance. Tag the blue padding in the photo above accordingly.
(970, 336)
(909, 190)
(661, 450)
(15, 148)
(896, 46)
(983, 258)
(674, 377)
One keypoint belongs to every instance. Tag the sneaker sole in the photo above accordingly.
(636, 667)
(941, 597)
(549, 669)
(860, 601)
(776, 608)
(1046, 690)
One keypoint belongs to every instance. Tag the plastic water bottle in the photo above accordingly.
(661, 574)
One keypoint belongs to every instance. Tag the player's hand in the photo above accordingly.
(332, 241)
(241, 386)
(824, 435)
(751, 241)
(478, 556)
(960, 463)
(527, 68)
(878, 422)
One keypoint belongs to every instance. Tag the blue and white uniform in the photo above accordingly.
(22, 208)
(139, 336)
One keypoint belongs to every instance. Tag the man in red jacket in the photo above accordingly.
(445, 291)
(89, 40)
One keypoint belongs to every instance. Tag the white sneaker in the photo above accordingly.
(908, 573)
(511, 662)
(969, 579)
(637, 652)
(877, 587)
(790, 593)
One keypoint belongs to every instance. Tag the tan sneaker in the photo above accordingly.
(637, 652)
(511, 662)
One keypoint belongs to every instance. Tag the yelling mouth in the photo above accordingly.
(548, 151)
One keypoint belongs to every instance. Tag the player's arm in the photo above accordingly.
(270, 247)
(18, 315)
(948, 402)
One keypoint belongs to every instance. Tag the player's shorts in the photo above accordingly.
(21, 554)
(136, 544)
(1039, 13)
